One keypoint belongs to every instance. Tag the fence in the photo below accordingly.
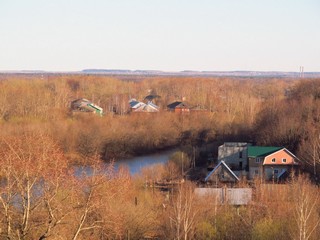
(233, 196)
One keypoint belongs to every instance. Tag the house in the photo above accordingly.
(136, 106)
(221, 174)
(147, 107)
(271, 163)
(268, 163)
(84, 105)
(234, 154)
(178, 107)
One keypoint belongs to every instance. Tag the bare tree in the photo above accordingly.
(306, 208)
(29, 164)
(184, 212)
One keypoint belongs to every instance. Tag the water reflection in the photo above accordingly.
(134, 164)
(137, 163)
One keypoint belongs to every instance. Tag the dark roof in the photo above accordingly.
(151, 97)
(133, 103)
(177, 104)
(81, 100)
(257, 151)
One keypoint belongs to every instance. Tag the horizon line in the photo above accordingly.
(149, 70)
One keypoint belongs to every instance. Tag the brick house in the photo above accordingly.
(268, 163)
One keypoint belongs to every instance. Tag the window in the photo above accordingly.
(276, 171)
(256, 172)
(240, 154)
(257, 160)
(284, 160)
(273, 160)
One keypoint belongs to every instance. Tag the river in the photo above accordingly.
(134, 164)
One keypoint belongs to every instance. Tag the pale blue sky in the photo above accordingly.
(170, 35)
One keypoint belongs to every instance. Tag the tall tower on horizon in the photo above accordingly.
(301, 72)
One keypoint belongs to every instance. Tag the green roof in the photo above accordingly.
(257, 151)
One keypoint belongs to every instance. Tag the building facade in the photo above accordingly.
(235, 155)
(265, 162)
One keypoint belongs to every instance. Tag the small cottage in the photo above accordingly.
(84, 105)
(178, 107)
(136, 106)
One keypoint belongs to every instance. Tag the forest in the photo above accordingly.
(42, 140)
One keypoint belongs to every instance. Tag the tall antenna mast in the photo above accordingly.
(301, 72)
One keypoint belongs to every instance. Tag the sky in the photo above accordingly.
(168, 35)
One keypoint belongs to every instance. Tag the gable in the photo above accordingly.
(222, 173)
(149, 107)
(281, 157)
